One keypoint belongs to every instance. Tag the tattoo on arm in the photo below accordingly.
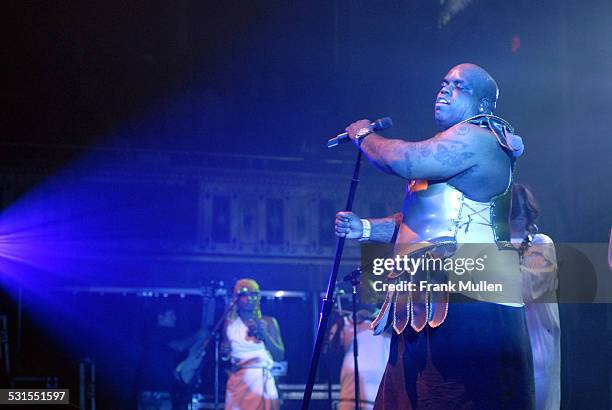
(450, 155)
(382, 152)
(385, 229)
(442, 156)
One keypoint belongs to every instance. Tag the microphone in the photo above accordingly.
(380, 124)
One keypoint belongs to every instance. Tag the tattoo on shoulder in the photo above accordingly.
(462, 129)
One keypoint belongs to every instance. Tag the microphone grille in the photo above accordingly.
(383, 123)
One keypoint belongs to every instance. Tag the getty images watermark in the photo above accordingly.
(431, 270)
(558, 273)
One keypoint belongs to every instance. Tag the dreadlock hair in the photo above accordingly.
(524, 203)
(241, 285)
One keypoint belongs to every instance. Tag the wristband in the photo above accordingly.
(367, 230)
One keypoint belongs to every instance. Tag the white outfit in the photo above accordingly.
(539, 269)
(252, 385)
(372, 360)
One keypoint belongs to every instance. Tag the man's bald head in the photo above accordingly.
(466, 90)
(484, 85)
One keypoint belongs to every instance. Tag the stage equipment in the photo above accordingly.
(35, 382)
(154, 400)
(189, 368)
(4, 346)
(182, 292)
(291, 395)
(87, 384)
(186, 372)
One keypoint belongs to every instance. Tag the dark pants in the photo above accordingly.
(479, 358)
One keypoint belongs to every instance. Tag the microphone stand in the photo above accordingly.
(327, 303)
(354, 276)
(215, 333)
(329, 344)
(217, 340)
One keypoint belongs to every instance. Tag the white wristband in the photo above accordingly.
(367, 230)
